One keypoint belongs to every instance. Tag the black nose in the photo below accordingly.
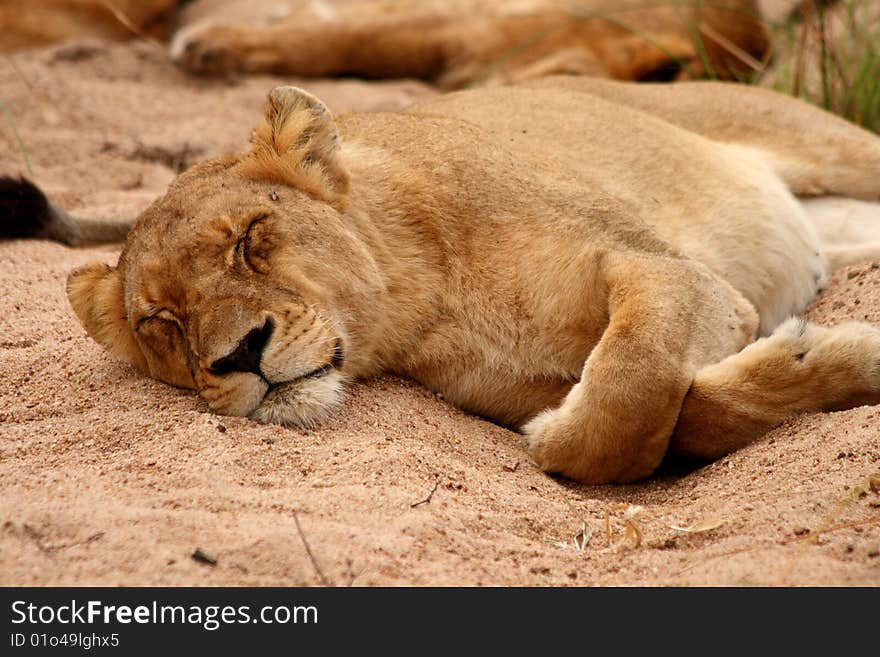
(246, 356)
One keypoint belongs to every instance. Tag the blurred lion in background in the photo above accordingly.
(452, 43)
(33, 24)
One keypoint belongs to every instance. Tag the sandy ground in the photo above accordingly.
(107, 478)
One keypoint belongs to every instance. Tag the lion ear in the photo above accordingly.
(96, 295)
(298, 144)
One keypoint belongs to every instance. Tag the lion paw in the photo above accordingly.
(206, 50)
(864, 343)
(546, 442)
(560, 442)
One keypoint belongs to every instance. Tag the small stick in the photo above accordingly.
(826, 526)
(34, 535)
(91, 539)
(49, 549)
(125, 21)
(203, 557)
(720, 556)
(314, 561)
(21, 147)
(427, 500)
(731, 47)
(20, 75)
(845, 525)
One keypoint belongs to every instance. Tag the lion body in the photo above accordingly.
(466, 42)
(32, 24)
(452, 43)
(556, 258)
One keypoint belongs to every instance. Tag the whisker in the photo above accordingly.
(319, 343)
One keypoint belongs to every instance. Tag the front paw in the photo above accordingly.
(207, 49)
(861, 343)
(550, 443)
(562, 442)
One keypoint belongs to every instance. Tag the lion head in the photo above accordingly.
(247, 279)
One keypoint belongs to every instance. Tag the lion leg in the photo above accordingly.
(800, 368)
(848, 229)
(406, 47)
(448, 49)
(666, 321)
(844, 255)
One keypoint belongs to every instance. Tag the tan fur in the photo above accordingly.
(456, 43)
(297, 146)
(589, 264)
(452, 42)
(35, 23)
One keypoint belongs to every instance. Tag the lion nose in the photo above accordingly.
(246, 356)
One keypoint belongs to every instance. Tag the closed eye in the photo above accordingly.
(164, 315)
(242, 249)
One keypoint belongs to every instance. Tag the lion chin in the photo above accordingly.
(303, 403)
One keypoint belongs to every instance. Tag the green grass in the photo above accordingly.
(827, 54)
(831, 57)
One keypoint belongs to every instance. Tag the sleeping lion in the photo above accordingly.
(457, 43)
(452, 43)
(611, 268)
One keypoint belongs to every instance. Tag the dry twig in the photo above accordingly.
(324, 580)
(427, 500)
(126, 22)
(631, 518)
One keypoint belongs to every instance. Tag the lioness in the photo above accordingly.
(454, 43)
(450, 42)
(35, 23)
(588, 261)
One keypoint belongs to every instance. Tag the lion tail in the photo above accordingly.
(26, 213)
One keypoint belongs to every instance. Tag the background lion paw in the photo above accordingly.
(206, 50)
